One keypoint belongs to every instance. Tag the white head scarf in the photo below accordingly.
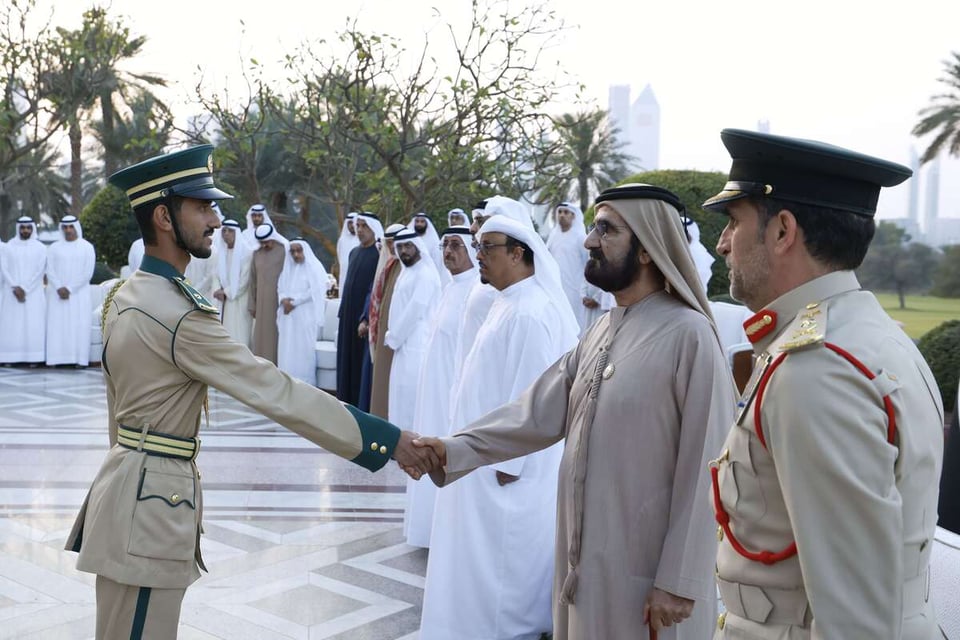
(701, 256)
(347, 238)
(372, 221)
(316, 276)
(430, 237)
(546, 272)
(577, 232)
(66, 221)
(454, 212)
(408, 235)
(23, 220)
(258, 208)
(510, 208)
(241, 251)
(467, 237)
(267, 232)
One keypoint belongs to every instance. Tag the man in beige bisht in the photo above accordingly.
(378, 315)
(649, 392)
(265, 268)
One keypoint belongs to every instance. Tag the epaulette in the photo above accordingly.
(195, 296)
(807, 330)
(105, 307)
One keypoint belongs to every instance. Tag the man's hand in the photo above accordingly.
(64, 293)
(253, 313)
(506, 478)
(590, 303)
(435, 448)
(19, 294)
(663, 609)
(362, 329)
(416, 460)
(220, 295)
(287, 306)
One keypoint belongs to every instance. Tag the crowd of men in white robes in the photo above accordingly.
(45, 305)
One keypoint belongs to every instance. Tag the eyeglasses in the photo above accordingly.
(453, 246)
(484, 247)
(604, 229)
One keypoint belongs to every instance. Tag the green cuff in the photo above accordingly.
(379, 439)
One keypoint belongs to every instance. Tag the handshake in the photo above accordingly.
(418, 455)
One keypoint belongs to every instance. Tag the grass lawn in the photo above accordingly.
(922, 313)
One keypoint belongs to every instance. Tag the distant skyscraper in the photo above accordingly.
(639, 124)
(913, 205)
(932, 199)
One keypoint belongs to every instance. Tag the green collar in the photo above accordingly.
(159, 267)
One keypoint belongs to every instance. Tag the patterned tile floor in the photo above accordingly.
(299, 543)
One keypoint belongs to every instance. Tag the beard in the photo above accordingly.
(612, 276)
(199, 249)
(747, 278)
(408, 260)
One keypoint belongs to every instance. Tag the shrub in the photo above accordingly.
(109, 225)
(941, 349)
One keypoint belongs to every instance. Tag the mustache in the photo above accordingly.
(596, 254)
(208, 232)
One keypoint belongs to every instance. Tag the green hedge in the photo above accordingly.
(941, 349)
(109, 225)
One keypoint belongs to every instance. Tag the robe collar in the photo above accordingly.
(762, 332)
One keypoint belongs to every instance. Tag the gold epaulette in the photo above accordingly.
(194, 296)
(107, 300)
(808, 329)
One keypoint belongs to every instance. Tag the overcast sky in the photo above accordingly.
(849, 72)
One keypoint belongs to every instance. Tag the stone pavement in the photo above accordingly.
(299, 543)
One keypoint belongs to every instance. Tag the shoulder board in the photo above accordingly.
(194, 296)
(807, 330)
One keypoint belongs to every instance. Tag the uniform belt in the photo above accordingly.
(765, 604)
(155, 443)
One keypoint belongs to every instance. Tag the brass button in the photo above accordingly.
(175, 498)
(721, 620)
(609, 371)
(383, 450)
(373, 446)
(719, 533)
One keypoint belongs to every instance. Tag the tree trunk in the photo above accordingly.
(110, 144)
(584, 188)
(76, 167)
(902, 295)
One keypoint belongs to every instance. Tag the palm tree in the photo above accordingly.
(84, 71)
(588, 159)
(943, 116)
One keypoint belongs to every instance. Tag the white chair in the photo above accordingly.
(945, 581)
(327, 346)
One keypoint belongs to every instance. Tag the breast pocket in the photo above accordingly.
(165, 516)
(740, 488)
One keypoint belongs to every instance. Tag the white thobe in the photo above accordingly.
(297, 330)
(729, 319)
(476, 309)
(23, 323)
(202, 274)
(571, 256)
(414, 296)
(490, 569)
(345, 244)
(69, 265)
(431, 415)
(604, 300)
(135, 255)
(235, 282)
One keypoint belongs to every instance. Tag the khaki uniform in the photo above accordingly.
(163, 344)
(826, 489)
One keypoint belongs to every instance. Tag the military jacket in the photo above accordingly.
(826, 489)
(163, 346)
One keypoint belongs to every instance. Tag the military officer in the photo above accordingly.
(139, 526)
(826, 490)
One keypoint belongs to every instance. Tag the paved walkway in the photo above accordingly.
(299, 543)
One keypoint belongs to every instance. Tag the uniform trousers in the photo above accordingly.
(127, 612)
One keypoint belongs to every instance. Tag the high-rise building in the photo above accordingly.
(932, 199)
(913, 205)
(638, 124)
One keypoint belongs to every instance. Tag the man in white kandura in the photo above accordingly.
(491, 546)
(23, 314)
(423, 226)
(346, 243)
(435, 389)
(414, 297)
(232, 288)
(70, 264)
(302, 292)
(566, 246)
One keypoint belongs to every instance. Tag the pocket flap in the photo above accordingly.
(173, 488)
